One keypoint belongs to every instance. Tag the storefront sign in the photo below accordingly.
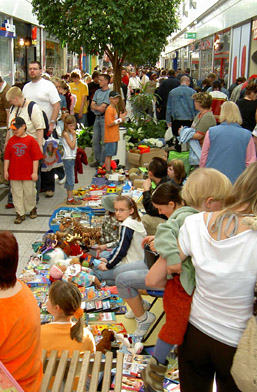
(254, 29)
(7, 30)
(190, 35)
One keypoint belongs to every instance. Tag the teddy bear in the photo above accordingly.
(127, 346)
(105, 343)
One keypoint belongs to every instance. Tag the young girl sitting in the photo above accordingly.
(69, 143)
(129, 248)
(63, 304)
(204, 191)
(176, 172)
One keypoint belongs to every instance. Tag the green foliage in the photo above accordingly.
(143, 129)
(84, 136)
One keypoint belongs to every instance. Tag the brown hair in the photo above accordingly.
(130, 204)
(165, 193)
(68, 119)
(8, 260)
(179, 169)
(203, 98)
(68, 297)
(251, 88)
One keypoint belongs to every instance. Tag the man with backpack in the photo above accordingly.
(45, 94)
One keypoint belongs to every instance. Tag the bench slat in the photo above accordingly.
(95, 372)
(59, 376)
(119, 367)
(84, 372)
(72, 371)
(49, 372)
(107, 372)
(44, 357)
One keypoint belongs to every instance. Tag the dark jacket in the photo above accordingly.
(162, 94)
(147, 200)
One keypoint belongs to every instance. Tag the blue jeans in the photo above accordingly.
(129, 278)
(69, 165)
(98, 140)
(82, 120)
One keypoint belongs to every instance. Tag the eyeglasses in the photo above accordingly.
(121, 209)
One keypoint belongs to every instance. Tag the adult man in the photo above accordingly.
(134, 85)
(4, 118)
(92, 87)
(98, 106)
(180, 107)
(238, 81)
(45, 94)
(187, 73)
(163, 92)
(79, 89)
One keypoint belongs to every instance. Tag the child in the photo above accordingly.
(69, 143)
(63, 304)
(176, 172)
(111, 129)
(204, 191)
(129, 248)
(21, 158)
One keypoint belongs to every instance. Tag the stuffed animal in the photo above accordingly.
(105, 343)
(127, 345)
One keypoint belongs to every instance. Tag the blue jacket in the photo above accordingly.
(180, 104)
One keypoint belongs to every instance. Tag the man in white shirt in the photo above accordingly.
(45, 94)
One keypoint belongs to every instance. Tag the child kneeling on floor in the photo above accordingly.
(21, 158)
(69, 142)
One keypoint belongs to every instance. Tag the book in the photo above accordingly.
(97, 329)
(121, 310)
(7, 382)
(102, 317)
(134, 364)
(129, 383)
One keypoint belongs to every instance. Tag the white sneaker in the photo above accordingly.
(62, 181)
(143, 326)
(130, 314)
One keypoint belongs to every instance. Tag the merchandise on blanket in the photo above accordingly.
(116, 298)
(80, 192)
(122, 310)
(46, 318)
(111, 188)
(127, 345)
(32, 279)
(40, 293)
(127, 189)
(134, 364)
(105, 344)
(117, 328)
(101, 317)
(96, 190)
(130, 384)
(91, 294)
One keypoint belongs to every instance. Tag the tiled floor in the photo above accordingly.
(31, 230)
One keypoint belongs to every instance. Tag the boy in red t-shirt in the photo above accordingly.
(111, 129)
(21, 158)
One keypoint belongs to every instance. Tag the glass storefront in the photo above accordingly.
(206, 57)
(5, 55)
(54, 56)
(221, 53)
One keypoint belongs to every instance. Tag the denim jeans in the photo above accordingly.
(129, 278)
(98, 140)
(82, 120)
(70, 175)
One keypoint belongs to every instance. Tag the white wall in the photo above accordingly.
(21, 9)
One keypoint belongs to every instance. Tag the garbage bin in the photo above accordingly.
(121, 153)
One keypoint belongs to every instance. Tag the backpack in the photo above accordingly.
(30, 108)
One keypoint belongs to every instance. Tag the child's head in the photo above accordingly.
(114, 97)
(244, 191)
(157, 168)
(124, 207)
(18, 126)
(65, 301)
(176, 170)
(70, 122)
(166, 198)
(206, 189)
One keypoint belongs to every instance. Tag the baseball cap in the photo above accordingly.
(114, 94)
(17, 122)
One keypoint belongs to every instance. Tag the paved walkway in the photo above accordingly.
(31, 230)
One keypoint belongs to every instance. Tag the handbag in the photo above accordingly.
(244, 367)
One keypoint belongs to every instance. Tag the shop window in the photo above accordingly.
(5, 55)
(221, 53)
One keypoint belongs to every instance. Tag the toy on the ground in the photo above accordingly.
(105, 343)
(127, 346)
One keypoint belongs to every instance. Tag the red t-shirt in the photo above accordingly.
(21, 152)
(125, 79)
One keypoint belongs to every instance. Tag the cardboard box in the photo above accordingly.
(138, 160)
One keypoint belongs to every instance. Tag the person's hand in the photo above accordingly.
(97, 283)
(6, 175)
(51, 128)
(34, 177)
(103, 260)
(147, 240)
(174, 269)
(102, 247)
(102, 267)
(169, 124)
(80, 115)
(147, 184)
(152, 246)
(180, 129)
(123, 116)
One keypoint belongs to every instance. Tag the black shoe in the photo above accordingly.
(94, 164)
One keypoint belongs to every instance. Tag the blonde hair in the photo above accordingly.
(68, 297)
(203, 183)
(230, 113)
(68, 119)
(204, 99)
(14, 92)
(244, 191)
(179, 169)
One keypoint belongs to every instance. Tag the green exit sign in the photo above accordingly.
(190, 35)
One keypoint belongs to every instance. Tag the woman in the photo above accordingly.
(20, 350)
(223, 249)
(228, 147)
(205, 118)
(248, 106)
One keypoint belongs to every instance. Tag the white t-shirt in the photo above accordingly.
(44, 93)
(36, 122)
(68, 153)
(225, 279)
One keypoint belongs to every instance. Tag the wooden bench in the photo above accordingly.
(65, 369)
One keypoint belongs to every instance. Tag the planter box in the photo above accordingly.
(140, 160)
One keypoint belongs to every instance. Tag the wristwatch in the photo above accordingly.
(52, 122)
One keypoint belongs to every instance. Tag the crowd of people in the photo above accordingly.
(201, 227)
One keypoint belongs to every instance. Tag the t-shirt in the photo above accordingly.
(56, 336)
(101, 96)
(20, 349)
(35, 122)
(225, 273)
(21, 152)
(79, 90)
(218, 98)
(68, 153)
(111, 134)
(44, 93)
(202, 123)
(247, 109)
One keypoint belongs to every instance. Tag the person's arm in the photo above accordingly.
(118, 121)
(40, 136)
(198, 136)
(6, 169)
(181, 254)
(117, 255)
(205, 150)
(71, 143)
(55, 113)
(156, 277)
(34, 175)
(250, 156)
(100, 108)
(38, 122)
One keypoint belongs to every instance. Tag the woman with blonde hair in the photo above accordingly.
(228, 147)
(223, 249)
